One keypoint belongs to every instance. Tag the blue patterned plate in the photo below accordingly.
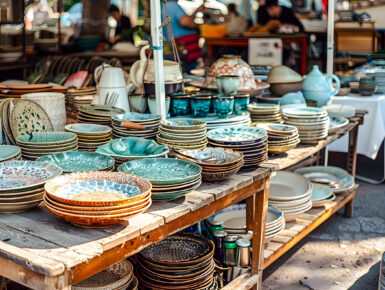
(88, 129)
(236, 135)
(137, 117)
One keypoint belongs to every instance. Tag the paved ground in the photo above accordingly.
(341, 254)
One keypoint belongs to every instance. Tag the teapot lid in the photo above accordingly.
(315, 70)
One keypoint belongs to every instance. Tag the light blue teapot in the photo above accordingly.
(318, 87)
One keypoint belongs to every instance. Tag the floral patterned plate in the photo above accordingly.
(236, 135)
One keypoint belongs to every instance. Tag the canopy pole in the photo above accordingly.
(330, 38)
(157, 47)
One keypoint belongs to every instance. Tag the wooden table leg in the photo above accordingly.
(351, 164)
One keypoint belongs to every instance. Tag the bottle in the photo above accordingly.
(243, 253)
(230, 250)
(219, 237)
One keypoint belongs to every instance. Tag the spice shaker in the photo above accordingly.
(243, 253)
(219, 237)
(230, 250)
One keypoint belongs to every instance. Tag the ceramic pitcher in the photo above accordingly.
(318, 87)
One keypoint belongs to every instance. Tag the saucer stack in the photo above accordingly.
(98, 114)
(312, 123)
(265, 113)
(281, 137)
(135, 125)
(183, 134)
(75, 98)
(90, 136)
(9, 152)
(251, 141)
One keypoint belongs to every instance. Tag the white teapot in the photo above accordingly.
(172, 70)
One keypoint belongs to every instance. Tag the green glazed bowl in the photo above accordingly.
(163, 171)
(183, 124)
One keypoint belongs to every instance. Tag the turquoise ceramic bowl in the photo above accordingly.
(76, 161)
(227, 84)
(241, 101)
(152, 105)
(180, 104)
(200, 105)
(163, 171)
(223, 105)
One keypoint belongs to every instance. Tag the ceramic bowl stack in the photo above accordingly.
(379, 76)
(75, 98)
(290, 193)
(90, 136)
(337, 179)
(22, 182)
(182, 134)
(265, 113)
(76, 161)
(135, 125)
(98, 114)
(9, 152)
(170, 178)
(182, 261)
(321, 195)
(251, 141)
(131, 148)
(45, 143)
(217, 163)
(97, 198)
(117, 276)
(281, 137)
(312, 123)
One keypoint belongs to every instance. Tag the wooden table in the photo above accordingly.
(300, 38)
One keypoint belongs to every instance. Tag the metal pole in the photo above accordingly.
(330, 38)
(157, 46)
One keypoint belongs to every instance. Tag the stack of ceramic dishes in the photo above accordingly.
(117, 276)
(281, 137)
(182, 134)
(131, 148)
(321, 195)
(22, 182)
(76, 98)
(290, 193)
(312, 123)
(337, 179)
(170, 178)
(182, 261)
(90, 136)
(336, 123)
(135, 125)
(251, 141)
(213, 121)
(45, 143)
(233, 220)
(265, 113)
(98, 114)
(217, 163)
(11, 90)
(75, 161)
(97, 198)
(5, 125)
(9, 152)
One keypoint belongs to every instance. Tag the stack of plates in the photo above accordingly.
(131, 148)
(45, 143)
(217, 163)
(281, 137)
(213, 121)
(13, 90)
(144, 125)
(290, 193)
(116, 276)
(337, 179)
(251, 141)
(182, 134)
(98, 114)
(312, 123)
(75, 98)
(9, 152)
(97, 198)
(182, 261)
(22, 182)
(170, 178)
(90, 136)
(233, 220)
(265, 113)
(75, 161)
(321, 195)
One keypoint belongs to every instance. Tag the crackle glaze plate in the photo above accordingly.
(88, 129)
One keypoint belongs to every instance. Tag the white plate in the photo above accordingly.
(288, 186)
(320, 192)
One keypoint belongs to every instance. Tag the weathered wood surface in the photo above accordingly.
(244, 281)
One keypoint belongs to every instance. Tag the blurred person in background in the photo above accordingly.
(123, 27)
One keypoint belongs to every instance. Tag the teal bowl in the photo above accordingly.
(227, 84)
(241, 101)
(180, 104)
(200, 105)
(223, 105)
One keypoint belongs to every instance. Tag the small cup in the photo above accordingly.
(200, 105)
(180, 104)
(152, 104)
(227, 84)
(241, 101)
(223, 105)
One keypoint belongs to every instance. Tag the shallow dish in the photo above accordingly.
(137, 117)
(336, 123)
(162, 171)
(9, 152)
(88, 129)
(324, 202)
(183, 124)
(287, 186)
(320, 192)
(101, 110)
(18, 206)
(236, 135)
(47, 138)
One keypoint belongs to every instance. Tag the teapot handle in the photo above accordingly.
(98, 72)
(337, 80)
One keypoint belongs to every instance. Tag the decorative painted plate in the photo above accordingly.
(29, 117)
(88, 129)
(304, 112)
(136, 117)
(18, 175)
(101, 110)
(162, 171)
(184, 124)
(235, 135)
(336, 123)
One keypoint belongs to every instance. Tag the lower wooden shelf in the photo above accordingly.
(295, 231)
(244, 281)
